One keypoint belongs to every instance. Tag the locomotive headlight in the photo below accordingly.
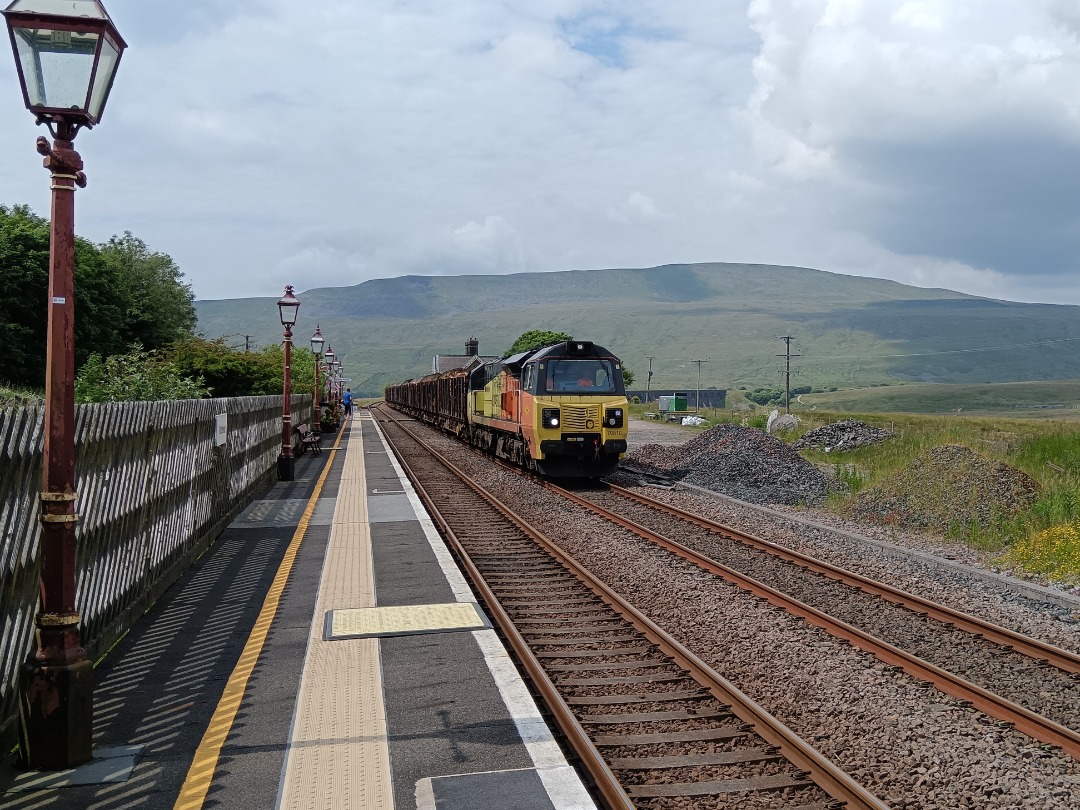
(613, 417)
(550, 417)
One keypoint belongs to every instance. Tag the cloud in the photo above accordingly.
(938, 129)
(261, 142)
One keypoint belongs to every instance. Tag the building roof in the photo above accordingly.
(449, 362)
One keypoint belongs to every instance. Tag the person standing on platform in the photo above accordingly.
(347, 401)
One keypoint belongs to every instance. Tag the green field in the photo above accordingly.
(1059, 399)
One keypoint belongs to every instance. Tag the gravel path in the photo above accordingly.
(652, 431)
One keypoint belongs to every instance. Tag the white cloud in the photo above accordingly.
(260, 141)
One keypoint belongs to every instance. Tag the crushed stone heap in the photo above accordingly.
(949, 486)
(742, 462)
(845, 435)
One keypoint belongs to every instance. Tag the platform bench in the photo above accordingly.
(309, 439)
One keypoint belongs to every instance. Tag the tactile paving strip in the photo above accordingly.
(404, 620)
(338, 755)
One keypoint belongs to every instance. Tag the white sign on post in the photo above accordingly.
(220, 429)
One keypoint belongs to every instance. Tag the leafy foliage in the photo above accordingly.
(136, 376)
(17, 397)
(124, 294)
(1054, 552)
(232, 372)
(158, 307)
(628, 376)
(537, 339)
(765, 396)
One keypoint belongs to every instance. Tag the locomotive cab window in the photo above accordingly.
(565, 376)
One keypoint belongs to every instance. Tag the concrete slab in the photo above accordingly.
(109, 766)
(522, 790)
(390, 508)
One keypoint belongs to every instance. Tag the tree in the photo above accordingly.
(159, 307)
(123, 294)
(628, 377)
(136, 376)
(230, 372)
(24, 270)
(537, 339)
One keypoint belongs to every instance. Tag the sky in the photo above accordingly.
(263, 142)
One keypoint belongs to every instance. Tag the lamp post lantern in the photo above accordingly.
(317, 341)
(288, 304)
(66, 55)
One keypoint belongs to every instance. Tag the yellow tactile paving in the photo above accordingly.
(403, 619)
(338, 755)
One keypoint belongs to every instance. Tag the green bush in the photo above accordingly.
(137, 376)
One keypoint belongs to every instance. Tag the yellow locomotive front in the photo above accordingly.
(574, 412)
(560, 410)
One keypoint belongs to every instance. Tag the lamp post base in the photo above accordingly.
(56, 708)
(285, 467)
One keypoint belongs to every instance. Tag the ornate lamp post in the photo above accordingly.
(317, 341)
(330, 358)
(67, 54)
(288, 304)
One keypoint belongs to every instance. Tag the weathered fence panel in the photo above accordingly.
(153, 492)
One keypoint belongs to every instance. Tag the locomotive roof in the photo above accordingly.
(569, 348)
(573, 348)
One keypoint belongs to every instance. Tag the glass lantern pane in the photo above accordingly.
(61, 8)
(106, 68)
(56, 66)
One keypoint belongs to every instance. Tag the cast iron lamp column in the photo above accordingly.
(287, 306)
(317, 342)
(66, 64)
(330, 398)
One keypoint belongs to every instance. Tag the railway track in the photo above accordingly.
(1021, 681)
(650, 721)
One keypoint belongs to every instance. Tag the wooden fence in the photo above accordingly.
(154, 490)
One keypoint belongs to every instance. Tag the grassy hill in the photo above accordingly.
(849, 331)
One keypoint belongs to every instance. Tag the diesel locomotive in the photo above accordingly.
(560, 411)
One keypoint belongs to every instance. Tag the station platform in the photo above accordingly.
(325, 652)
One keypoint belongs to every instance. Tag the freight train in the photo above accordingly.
(560, 411)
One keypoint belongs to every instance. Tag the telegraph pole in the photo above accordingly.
(648, 381)
(699, 362)
(787, 370)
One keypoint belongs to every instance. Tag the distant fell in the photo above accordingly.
(848, 331)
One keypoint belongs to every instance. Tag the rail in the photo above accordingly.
(1024, 720)
(803, 756)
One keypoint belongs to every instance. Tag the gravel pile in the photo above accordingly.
(738, 461)
(946, 487)
(845, 435)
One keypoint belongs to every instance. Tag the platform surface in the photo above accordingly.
(324, 653)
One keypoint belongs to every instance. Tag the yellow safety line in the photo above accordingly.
(201, 773)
